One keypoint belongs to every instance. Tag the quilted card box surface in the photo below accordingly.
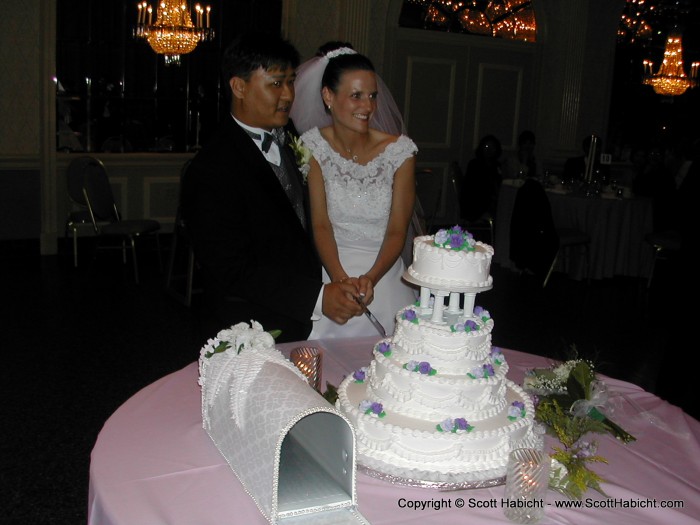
(290, 448)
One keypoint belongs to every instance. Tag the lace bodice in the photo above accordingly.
(358, 196)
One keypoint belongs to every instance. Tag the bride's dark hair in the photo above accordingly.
(342, 64)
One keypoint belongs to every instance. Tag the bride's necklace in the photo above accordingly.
(352, 156)
(348, 151)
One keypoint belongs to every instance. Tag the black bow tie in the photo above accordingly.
(267, 139)
(266, 142)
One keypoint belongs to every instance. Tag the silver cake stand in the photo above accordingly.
(427, 480)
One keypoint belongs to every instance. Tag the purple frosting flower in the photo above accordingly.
(441, 237)
(488, 370)
(513, 412)
(478, 310)
(359, 375)
(456, 240)
(424, 367)
(377, 408)
(457, 228)
(384, 347)
(409, 315)
(470, 325)
(365, 405)
(519, 404)
(447, 425)
(461, 423)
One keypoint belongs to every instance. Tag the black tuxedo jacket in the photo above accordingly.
(257, 262)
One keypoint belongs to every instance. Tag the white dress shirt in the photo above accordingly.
(273, 154)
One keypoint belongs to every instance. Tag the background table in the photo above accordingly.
(616, 226)
(154, 464)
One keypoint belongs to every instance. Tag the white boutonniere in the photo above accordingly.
(302, 155)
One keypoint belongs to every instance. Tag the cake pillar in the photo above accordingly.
(454, 303)
(424, 297)
(438, 306)
(469, 299)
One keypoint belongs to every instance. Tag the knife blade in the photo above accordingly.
(375, 322)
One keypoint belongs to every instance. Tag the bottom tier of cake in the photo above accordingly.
(451, 451)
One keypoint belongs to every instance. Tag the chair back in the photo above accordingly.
(75, 177)
(534, 241)
(98, 194)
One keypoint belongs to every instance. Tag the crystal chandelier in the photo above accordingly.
(507, 19)
(173, 33)
(671, 79)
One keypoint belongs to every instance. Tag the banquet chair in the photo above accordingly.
(536, 244)
(664, 244)
(78, 219)
(181, 238)
(570, 239)
(106, 219)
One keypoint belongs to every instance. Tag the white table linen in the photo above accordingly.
(616, 226)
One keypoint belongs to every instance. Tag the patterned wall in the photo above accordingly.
(20, 69)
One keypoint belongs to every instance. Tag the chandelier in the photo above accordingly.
(507, 19)
(173, 33)
(671, 79)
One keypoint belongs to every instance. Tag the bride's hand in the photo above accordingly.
(366, 289)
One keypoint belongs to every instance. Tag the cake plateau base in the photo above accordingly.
(453, 288)
(443, 486)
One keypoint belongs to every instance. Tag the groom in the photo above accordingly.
(243, 203)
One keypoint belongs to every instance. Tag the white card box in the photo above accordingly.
(293, 451)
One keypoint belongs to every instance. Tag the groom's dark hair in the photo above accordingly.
(251, 51)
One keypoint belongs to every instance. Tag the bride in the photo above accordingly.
(361, 187)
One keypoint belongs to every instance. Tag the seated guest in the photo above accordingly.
(521, 163)
(482, 180)
(638, 163)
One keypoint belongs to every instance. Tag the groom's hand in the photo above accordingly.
(339, 302)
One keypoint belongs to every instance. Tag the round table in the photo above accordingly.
(617, 228)
(154, 464)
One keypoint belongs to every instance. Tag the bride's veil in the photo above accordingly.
(308, 111)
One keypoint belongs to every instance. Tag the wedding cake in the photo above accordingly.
(435, 405)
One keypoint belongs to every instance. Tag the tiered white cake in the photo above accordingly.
(434, 405)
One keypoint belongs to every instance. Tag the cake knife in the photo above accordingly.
(371, 317)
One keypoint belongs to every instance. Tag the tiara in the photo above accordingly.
(340, 51)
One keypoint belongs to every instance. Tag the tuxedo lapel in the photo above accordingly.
(292, 132)
(258, 166)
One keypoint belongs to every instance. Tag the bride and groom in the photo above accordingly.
(301, 254)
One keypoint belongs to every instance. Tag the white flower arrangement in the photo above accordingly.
(302, 155)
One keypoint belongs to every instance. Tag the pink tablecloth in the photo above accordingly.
(617, 228)
(154, 464)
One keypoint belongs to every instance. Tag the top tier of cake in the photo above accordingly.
(440, 266)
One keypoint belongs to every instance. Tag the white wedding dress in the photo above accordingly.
(358, 198)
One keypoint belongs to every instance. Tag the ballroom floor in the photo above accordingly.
(77, 343)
